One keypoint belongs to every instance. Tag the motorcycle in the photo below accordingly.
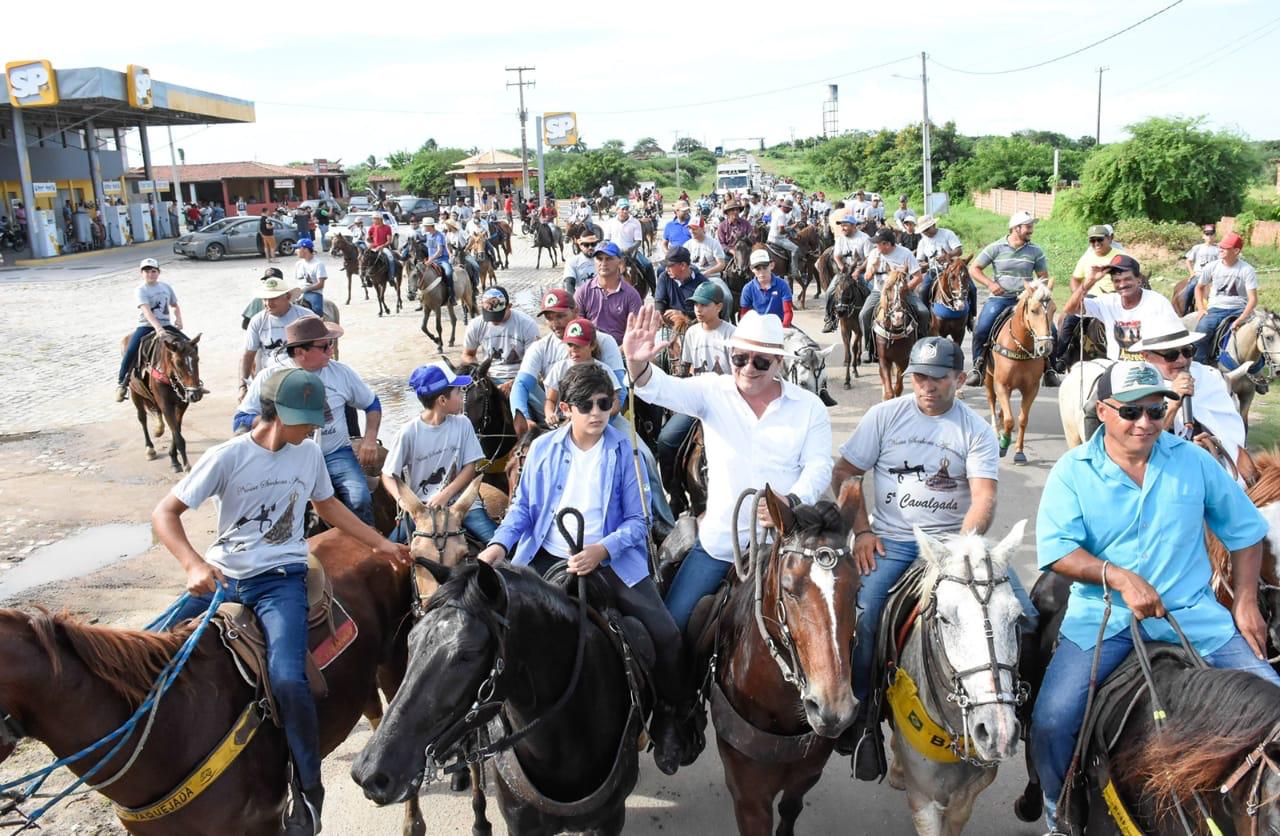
(11, 237)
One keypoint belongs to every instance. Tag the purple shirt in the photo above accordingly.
(608, 310)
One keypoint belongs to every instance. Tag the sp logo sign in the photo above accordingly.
(139, 83)
(560, 129)
(31, 83)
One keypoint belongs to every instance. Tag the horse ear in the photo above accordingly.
(197, 338)
(930, 549)
(1003, 550)
(439, 571)
(1048, 282)
(784, 518)
(465, 500)
(482, 371)
(408, 499)
(491, 585)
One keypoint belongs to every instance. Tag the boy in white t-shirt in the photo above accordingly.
(436, 455)
(261, 483)
(580, 344)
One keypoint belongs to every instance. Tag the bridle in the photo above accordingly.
(896, 299)
(1040, 345)
(487, 417)
(439, 535)
(951, 284)
(934, 652)
(460, 738)
(1259, 763)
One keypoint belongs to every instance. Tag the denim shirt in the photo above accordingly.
(1155, 531)
(532, 512)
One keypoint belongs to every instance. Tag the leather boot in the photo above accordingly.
(828, 325)
(1051, 379)
(304, 817)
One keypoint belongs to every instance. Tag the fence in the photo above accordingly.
(1008, 201)
(1263, 233)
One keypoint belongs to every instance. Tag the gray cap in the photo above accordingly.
(935, 357)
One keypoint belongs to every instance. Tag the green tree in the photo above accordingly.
(687, 145)
(427, 172)
(613, 145)
(358, 177)
(1172, 169)
(371, 161)
(398, 159)
(586, 172)
(429, 145)
(645, 148)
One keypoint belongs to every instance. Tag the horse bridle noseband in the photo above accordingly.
(982, 591)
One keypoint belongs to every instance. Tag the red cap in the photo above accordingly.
(556, 299)
(579, 332)
(1231, 241)
(698, 221)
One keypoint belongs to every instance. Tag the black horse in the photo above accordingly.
(545, 238)
(489, 411)
(498, 650)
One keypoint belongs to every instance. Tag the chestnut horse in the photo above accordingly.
(165, 380)
(1019, 355)
(950, 295)
(782, 690)
(342, 246)
(895, 333)
(67, 684)
(375, 270)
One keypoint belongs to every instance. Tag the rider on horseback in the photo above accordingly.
(766, 293)
(676, 232)
(501, 334)
(155, 300)
(1231, 285)
(1127, 512)
(734, 227)
(1199, 257)
(1126, 312)
(581, 267)
(936, 248)
(566, 469)
(782, 222)
(379, 240)
(1016, 261)
(890, 256)
(851, 248)
(1099, 254)
(276, 465)
(309, 345)
(265, 329)
(626, 233)
(310, 275)
(607, 299)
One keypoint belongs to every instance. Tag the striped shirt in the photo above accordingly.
(1014, 267)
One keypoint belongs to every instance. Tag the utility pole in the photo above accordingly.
(1097, 137)
(676, 150)
(524, 117)
(924, 133)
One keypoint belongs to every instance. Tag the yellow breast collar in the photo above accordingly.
(912, 721)
(203, 776)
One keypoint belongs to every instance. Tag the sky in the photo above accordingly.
(347, 80)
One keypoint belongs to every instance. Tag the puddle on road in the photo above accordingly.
(78, 555)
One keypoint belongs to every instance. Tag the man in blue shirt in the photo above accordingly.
(766, 293)
(587, 464)
(676, 232)
(438, 254)
(677, 283)
(1128, 510)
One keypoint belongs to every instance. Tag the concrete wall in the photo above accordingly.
(50, 161)
(1008, 201)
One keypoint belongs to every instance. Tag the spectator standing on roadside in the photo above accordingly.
(242, 208)
(268, 234)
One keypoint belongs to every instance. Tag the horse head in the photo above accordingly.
(953, 285)
(965, 595)
(455, 660)
(1036, 304)
(1267, 339)
(515, 461)
(892, 313)
(438, 534)
(181, 363)
(808, 589)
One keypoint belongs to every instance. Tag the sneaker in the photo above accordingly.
(1051, 379)
(122, 391)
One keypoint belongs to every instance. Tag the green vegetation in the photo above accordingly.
(427, 172)
(586, 172)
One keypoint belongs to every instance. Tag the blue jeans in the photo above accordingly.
(986, 319)
(314, 300)
(673, 434)
(349, 482)
(278, 597)
(1059, 709)
(131, 350)
(898, 556)
(700, 574)
(476, 522)
(1208, 325)
(323, 229)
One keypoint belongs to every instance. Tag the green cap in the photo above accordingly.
(1098, 231)
(298, 395)
(708, 293)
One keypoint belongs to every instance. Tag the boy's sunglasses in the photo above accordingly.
(1132, 412)
(760, 362)
(604, 403)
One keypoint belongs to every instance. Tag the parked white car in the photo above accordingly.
(349, 220)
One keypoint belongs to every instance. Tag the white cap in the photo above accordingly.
(149, 262)
(1020, 218)
(760, 257)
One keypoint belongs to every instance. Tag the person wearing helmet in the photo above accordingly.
(310, 275)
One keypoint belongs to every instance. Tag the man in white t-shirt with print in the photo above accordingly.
(936, 464)
(260, 483)
(1231, 286)
(889, 256)
(264, 333)
(309, 345)
(434, 456)
(500, 336)
(1123, 312)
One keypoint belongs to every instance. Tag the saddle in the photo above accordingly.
(1116, 699)
(778, 252)
(1222, 341)
(1001, 318)
(330, 631)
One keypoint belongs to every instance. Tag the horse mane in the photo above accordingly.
(1198, 749)
(128, 661)
(1264, 492)
(954, 548)
(462, 590)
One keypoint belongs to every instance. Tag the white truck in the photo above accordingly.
(733, 178)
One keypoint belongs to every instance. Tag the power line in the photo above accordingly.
(752, 95)
(1227, 50)
(1066, 55)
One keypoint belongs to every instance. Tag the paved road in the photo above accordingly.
(56, 371)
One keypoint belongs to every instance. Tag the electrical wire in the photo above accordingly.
(1046, 62)
(1231, 49)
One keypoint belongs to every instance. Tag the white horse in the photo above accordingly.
(962, 650)
(1079, 385)
(807, 366)
(1257, 339)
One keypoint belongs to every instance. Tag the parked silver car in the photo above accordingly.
(235, 236)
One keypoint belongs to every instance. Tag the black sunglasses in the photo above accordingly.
(604, 403)
(1174, 353)
(760, 362)
(1096, 240)
(1132, 412)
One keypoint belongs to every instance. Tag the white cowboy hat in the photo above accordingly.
(762, 334)
(273, 287)
(1166, 336)
(926, 222)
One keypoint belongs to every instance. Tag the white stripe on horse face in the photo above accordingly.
(1271, 513)
(825, 580)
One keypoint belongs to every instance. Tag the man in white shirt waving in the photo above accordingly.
(1124, 312)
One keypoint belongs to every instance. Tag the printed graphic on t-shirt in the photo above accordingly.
(437, 477)
(1126, 333)
(278, 529)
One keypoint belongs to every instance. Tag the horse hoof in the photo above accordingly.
(1029, 807)
(848, 385)
(1004, 448)
(177, 468)
(151, 454)
(1019, 457)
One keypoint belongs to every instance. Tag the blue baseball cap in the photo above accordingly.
(306, 242)
(434, 378)
(610, 249)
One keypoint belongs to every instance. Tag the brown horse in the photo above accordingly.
(375, 270)
(350, 262)
(809, 239)
(429, 280)
(849, 294)
(1020, 351)
(48, 658)
(648, 232)
(895, 333)
(782, 689)
(951, 293)
(503, 245)
(164, 381)
(477, 249)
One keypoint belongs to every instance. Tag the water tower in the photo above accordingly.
(830, 112)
